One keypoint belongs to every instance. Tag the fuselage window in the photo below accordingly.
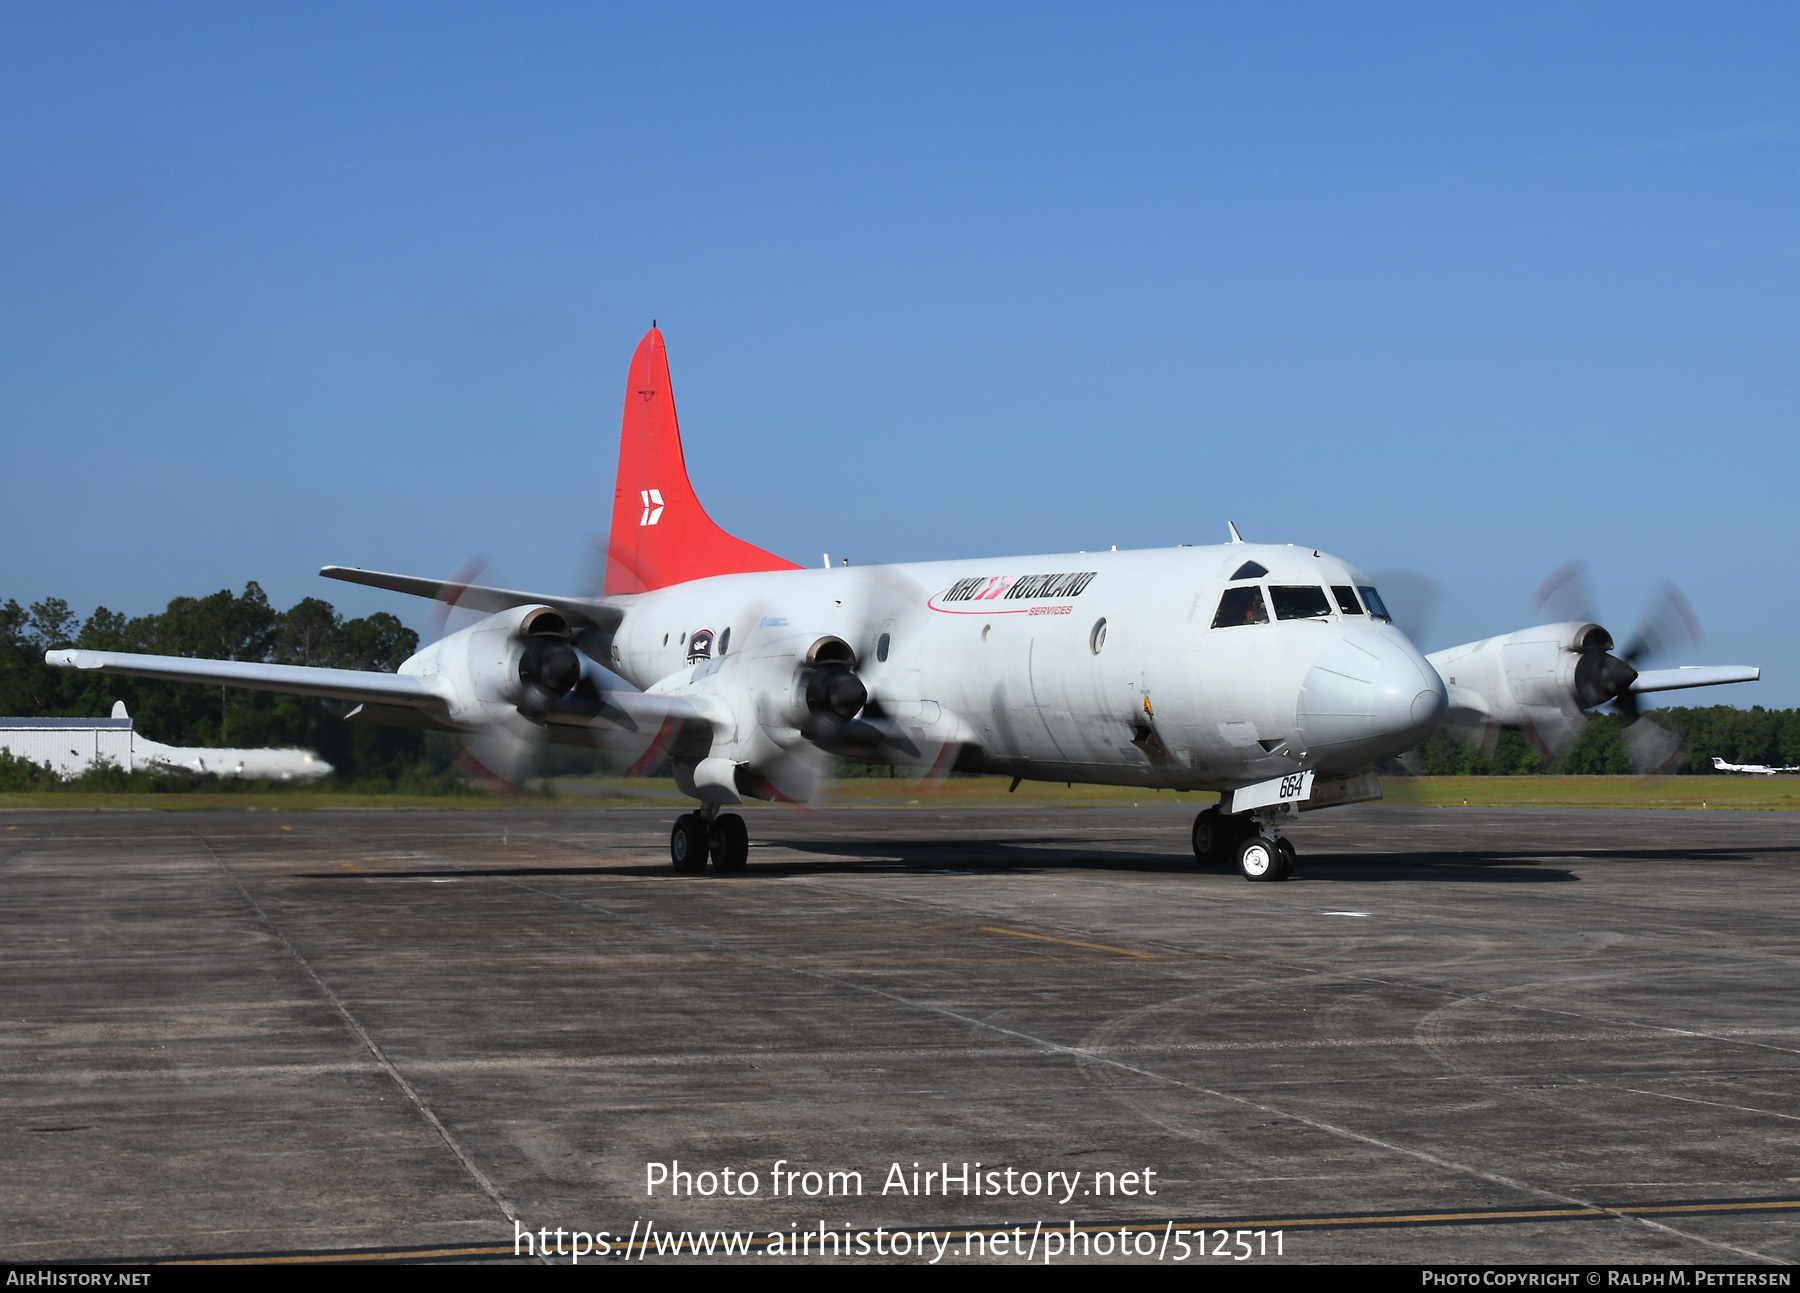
(881, 647)
(1346, 599)
(1372, 600)
(1299, 602)
(1241, 606)
(724, 641)
(1250, 570)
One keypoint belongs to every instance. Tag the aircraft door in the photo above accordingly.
(1066, 683)
(1013, 722)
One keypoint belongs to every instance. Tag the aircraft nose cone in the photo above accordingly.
(1370, 694)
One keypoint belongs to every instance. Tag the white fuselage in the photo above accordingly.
(1752, 769)
(1009, 655)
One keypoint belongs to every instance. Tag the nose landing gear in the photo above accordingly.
(1251, 840)
(698, 835)
(1262, 858)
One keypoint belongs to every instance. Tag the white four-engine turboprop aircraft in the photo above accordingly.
(1270, 673)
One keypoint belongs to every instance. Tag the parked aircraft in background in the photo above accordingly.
(1758, 769)
(1268, 672)
(288, 764)
(72, 746)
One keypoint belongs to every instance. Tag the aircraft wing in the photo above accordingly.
(1694, 676)
(630, 721)
(587, 611)
(611, 715)
(298, 680)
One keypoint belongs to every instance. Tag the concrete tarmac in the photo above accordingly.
(1457, 1035)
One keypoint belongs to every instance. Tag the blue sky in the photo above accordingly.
(1458, 290)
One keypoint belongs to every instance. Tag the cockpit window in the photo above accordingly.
(1372, 600)
(1250, 570)
(1299, 602)
(1346, 599)
(1241, 606)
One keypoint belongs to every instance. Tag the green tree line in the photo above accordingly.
(1755, 735)
(225, 626)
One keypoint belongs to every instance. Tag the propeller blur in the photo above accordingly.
(1543, 680)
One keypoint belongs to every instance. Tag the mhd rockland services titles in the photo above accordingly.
(787, 1181)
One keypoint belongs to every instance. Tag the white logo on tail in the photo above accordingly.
(653, 506)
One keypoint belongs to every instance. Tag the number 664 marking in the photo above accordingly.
(1291, 786)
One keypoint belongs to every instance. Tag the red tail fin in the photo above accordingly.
(660, 533)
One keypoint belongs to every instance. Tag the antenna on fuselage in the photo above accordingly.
(1235, 536)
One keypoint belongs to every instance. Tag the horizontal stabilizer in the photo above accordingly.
(1694, 676)
(296, 680)
(479, 597)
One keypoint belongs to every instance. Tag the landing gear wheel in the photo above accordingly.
(687, 844)
(1211, 837)
(1287, 858)
(730, 843)
(1259, 858)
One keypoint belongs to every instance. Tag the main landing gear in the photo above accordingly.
(709, 833)
(1251, 840)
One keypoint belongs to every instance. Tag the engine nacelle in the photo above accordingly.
(1518, 679)
(512, 665)
(802, 689)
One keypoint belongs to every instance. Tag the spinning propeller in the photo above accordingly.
(842, 702)
(786, 702)
(1413, 600)
(1604, 676)
(496, 756)
(551, 670)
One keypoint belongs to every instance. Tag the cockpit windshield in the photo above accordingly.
(1241, 606)
(1372, 600)
(1299, 602)
(1346, 599)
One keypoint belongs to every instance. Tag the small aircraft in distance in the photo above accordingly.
(1755, 769)
(1270, 673)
